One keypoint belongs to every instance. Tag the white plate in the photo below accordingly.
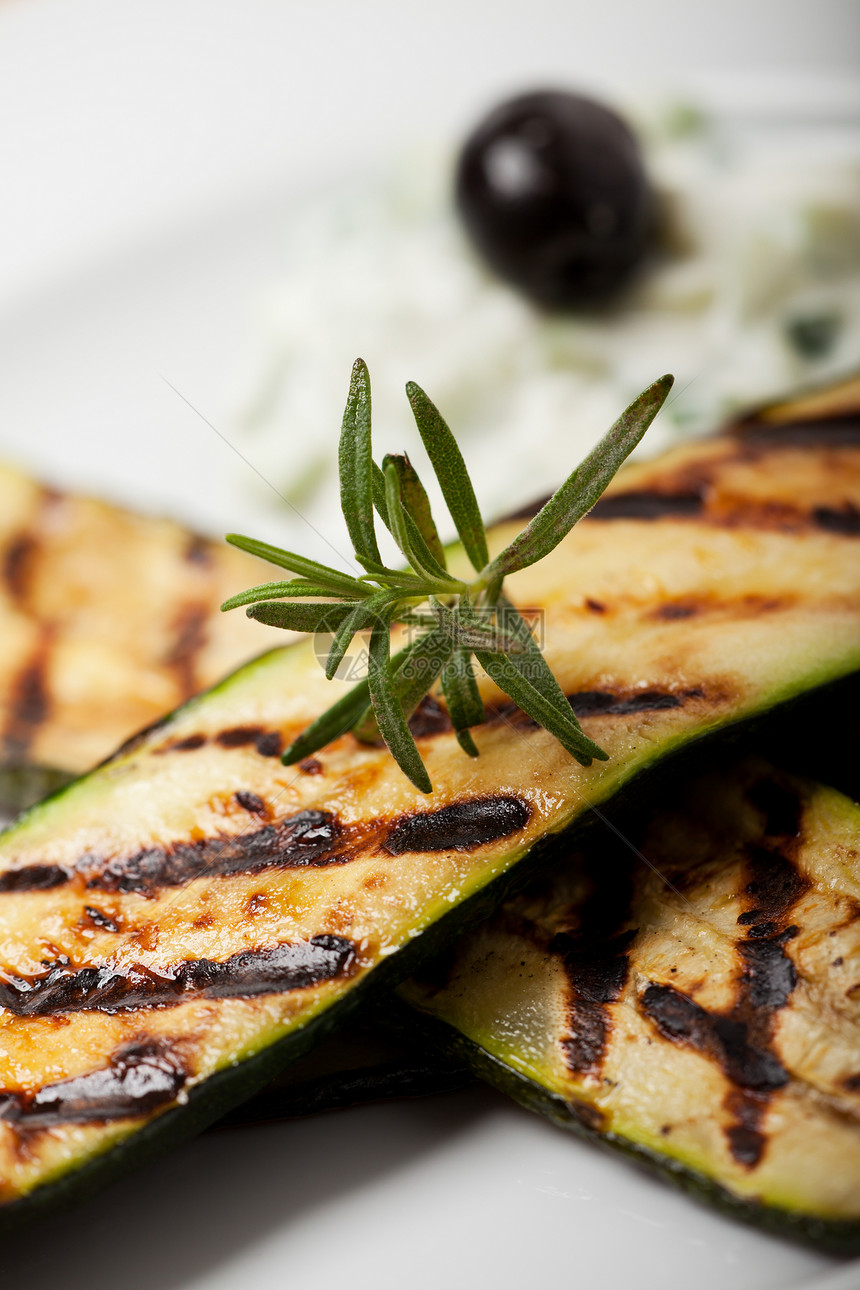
(142, 209)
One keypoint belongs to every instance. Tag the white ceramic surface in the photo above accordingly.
(151, 153)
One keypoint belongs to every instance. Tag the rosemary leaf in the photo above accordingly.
(582, 488)
(465, 705)
(355, 466)
(338, 584)
(447, 461)
(381, 505)
(414, 672)
(563, 725)
(420, 671)
(365, 729)
(296, 588)
(405, 531)
(389, 715)
(346, 714)
(532, 665)
(368, 613)
(302, 618)
(417, 504)
(453, 619)
(468, 631)
(409, 583)
(378, 483)
(531, 662)
(333, 723)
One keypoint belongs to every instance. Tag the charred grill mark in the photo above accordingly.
(462, 826)
(773, 879)
(725, 1039)
(739, 1041)
(429, 718)
(600, 703)
(594, 606)
(35, 877)
(745, 1137)
(648, 504)
(691, 606)
(189, 744)
(432, 719)
(268, 743)
(18, 564)
(141, 1077)
(774, 883)
(590, 703)
(307, 838)
(101, 920)
(198, 551)
(768, 977)
(676, 610)
(697, 489)
(22, 550)
(189, 639)
(251, 802)
(773, 514)
(830, 432)
(29, 703)
(596, 959)
(762, 929)
(238, 736)
(844, 520)
(687, 495)
(598, 974)
(275, 970)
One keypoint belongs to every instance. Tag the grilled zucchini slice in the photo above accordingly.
(361, 1062)
(689, 995)
(181, 923)
(108, 620)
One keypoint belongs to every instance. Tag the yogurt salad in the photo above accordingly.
(751, 289)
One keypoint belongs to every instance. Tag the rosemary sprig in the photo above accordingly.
(450, 621)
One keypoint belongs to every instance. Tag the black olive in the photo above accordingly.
(552, 189)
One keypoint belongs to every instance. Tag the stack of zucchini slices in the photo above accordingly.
(183, 923)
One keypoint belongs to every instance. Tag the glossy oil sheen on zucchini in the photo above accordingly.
(699, 1007)
(181, 923)
(108, 619)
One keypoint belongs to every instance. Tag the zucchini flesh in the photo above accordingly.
(700, 1010)
(181, 923)
(108, 620)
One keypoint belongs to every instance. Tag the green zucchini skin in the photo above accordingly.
(839, 1236)
(383, 1054)
(647, 1005)
(360, 1063)
(193, 857)
(24, 785)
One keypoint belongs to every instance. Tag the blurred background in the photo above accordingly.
(234, 200)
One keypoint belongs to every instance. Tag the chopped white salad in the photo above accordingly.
(755, 292)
